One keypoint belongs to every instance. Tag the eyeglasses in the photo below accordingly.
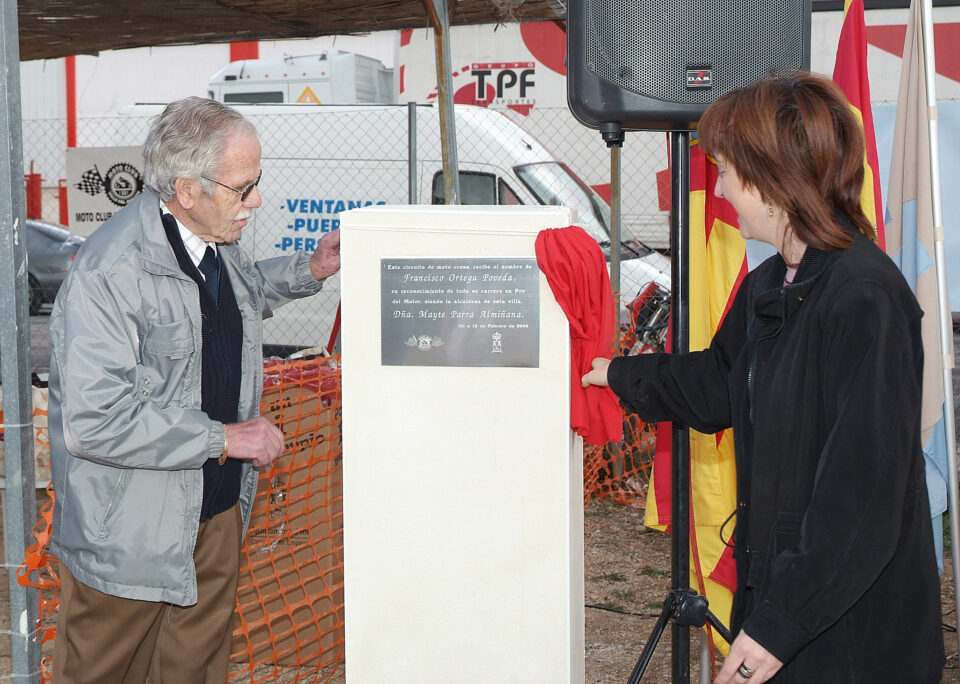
(243, 193)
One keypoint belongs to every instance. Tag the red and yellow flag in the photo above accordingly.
(718, 264)
(850, 73)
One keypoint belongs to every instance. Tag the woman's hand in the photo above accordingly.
(747, 657)
(598, 376)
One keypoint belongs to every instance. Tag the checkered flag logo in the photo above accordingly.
(91, 182)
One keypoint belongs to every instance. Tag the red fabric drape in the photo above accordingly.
(577, 273)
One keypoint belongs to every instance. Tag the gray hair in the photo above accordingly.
(187, 140)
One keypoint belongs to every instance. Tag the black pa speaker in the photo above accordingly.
(658, 64)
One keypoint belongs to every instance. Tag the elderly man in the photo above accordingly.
(155, 382)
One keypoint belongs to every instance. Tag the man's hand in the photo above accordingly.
(326, 259)
(598, 376)
(257, 440)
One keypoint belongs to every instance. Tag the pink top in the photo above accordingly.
(790, 275)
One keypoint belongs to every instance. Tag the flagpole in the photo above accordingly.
(946, 324)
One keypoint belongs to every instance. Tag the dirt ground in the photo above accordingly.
(627, 566)
(627, 573)
(627, 577)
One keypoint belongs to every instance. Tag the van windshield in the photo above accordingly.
(555, 183)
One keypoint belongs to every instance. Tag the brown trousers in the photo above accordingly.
(103, 639)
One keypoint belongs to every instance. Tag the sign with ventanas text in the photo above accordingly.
(460, 312)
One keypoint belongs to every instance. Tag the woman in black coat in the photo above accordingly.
(817, 367)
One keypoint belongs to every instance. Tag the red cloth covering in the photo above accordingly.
(577, 273)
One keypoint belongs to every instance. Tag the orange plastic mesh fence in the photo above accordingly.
(39, 569)
(621, 472)
(290, 615)
(290, 598)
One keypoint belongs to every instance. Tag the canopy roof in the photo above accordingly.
(57, 28)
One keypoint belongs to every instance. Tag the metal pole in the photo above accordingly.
(946, 324)
(440, 16)
(706, 658)
(680, 462)
(20, 498)
(411, 153)
(615, 199)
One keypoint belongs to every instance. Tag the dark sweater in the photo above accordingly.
(222, 332)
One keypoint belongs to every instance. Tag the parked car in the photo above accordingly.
(50, 250)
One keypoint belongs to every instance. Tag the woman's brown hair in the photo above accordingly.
(796, 140)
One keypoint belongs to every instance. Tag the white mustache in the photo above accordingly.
(244, 214)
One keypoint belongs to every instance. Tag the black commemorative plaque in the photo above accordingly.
(460, 312)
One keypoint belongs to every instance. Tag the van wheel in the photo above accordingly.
(34, 296)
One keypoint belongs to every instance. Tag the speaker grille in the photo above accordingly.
(648, 46)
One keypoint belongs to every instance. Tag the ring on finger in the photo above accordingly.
(744, 671)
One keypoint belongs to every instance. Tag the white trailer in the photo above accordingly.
(335, 77)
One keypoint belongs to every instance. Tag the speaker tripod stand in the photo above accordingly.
(683, 606)
(687, 609)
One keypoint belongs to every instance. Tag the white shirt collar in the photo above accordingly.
(195, 246)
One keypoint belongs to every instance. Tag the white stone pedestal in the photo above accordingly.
(463, 491)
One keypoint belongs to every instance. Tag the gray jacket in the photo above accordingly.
(127, 436)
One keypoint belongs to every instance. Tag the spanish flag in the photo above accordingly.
(850, 73)
(718, 264)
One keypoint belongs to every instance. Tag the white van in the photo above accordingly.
(320, 161)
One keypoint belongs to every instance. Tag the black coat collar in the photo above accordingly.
(774, 300)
